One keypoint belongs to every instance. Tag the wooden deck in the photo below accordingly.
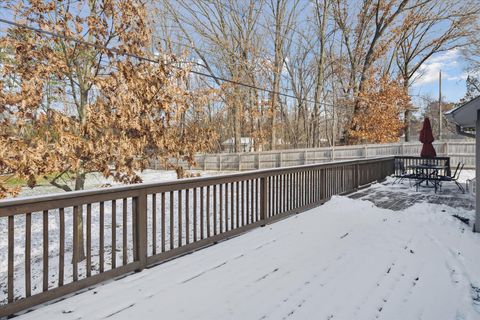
(343, 260)
(130, 228)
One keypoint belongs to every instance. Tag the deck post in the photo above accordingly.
(476, 226)
(141, 229)
(356, 176)
(263, 200)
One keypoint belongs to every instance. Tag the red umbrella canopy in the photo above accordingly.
(426, 137)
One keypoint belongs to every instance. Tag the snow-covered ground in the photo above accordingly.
(96, 180)
(347, 259)
(93, 181)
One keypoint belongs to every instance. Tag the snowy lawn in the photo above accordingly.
(344, 260)
(96, 180)
(93, 181)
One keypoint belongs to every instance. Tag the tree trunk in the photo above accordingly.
(407, 114)
(407, 120)
(320, 79)
(80, 180)
(237, 116)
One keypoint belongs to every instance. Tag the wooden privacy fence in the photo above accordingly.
(458, 151)
(128, 228)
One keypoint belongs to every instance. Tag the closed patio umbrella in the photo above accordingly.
(426, 137)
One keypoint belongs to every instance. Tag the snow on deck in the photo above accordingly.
(347, 259)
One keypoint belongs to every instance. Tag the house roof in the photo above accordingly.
(465, 115)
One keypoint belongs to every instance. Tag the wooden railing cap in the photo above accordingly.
(178, 184)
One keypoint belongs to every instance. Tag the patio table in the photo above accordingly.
(427, 173)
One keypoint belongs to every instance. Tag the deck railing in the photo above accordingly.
(405, 165)
(57, 244)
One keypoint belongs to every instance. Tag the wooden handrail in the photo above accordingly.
(99, 194)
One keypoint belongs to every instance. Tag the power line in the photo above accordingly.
(121, 52)
(68, 38)
(199, 73)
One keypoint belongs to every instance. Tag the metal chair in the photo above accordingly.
(401, 172)
(455, 176)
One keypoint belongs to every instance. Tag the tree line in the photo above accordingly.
(348, 64)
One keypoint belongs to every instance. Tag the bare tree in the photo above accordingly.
(436, 26)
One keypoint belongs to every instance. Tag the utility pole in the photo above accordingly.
(334, 100)
(440, 105)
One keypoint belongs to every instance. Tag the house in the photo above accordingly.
(246, 144)
(467, 121)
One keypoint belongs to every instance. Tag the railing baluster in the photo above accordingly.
(237, 202)
(252, 200)
(202, 227)
(313, 190)
(154, 224)
(162, 218)
(227, 220)
(302, 188)
(114, 233)
(312, 186)
(319, 186)
(141, 232)
(179, 202)
(305, 188)
(307, 185)
(257, 197)
(89, 240)
(187, 216)
(270, 197)
(75, 244)
(232, 206)
(194, 214)
(134, 228)
(295, 190)
(102, 236)
(291, 191)
(208, 213)
(264, 191)
(215, 209)
(11, 255)
(248, 204)
(242, 199)
(298, 201)
(277, 194)
(124, 231)
(28, 251)
(288, 182)
(45, 250)
(221, 209)
(326, 184)
(172, 222)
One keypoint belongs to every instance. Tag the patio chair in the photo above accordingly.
(401, 172)
(455, 176)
